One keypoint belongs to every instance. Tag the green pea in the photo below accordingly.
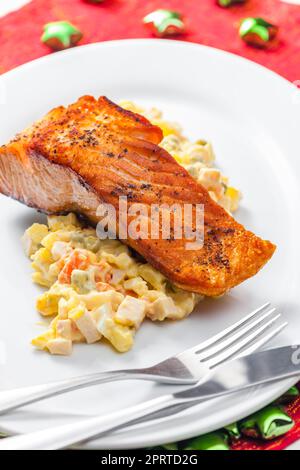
(77, 238)
(80, 280)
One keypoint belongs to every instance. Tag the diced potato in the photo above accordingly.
(63, 309)
(60, 346)
(93, 300)
(185, 303)
(118, 276)
(234, 195)
(167, 127)
(200, 151)
(152, 295)
(47, 303)
(172, 143)
(194, 169)
(54, 270)
(209, 176)
(41, 341)
(64, 329)
(42, 260)
(136, 284)
(122, 261)
(121, 337)
(161, 309)
(77, 336)
(85, 323)
(131, 106)
(131, 312)
(105, 310)
(57, 222)
(92, 244)
(38, 278)
(132, 271)
(152, 276)
(60, 250)
(53, 237)
(32, 238)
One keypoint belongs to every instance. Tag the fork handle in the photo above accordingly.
(15, 398)
(60, 437)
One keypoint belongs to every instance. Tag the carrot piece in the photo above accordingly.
(77, 260)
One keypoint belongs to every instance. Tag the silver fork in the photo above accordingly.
(242, 338)
(188, 367)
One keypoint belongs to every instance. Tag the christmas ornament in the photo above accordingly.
(93, 1)
(289, 396)
(233, 431)
(228, 3)
(60, 35)
(165, 22)
(267, 424)
(211, 441)
(258, 32)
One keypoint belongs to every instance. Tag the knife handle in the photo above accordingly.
(60, 437)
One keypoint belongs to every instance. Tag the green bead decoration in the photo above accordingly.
(165, 22)
(233, 431)
(60, 35)
(257, 32)
(267, 424)
(211, 441)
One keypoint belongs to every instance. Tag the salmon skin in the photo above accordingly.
(93, 151)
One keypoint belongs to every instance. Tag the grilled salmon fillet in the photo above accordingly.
(93, 151)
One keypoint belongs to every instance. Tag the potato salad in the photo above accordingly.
(98, 289)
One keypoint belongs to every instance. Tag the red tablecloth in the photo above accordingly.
(207, 23)
(118, 19)
(281, 442)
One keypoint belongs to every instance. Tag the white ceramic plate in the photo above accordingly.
(251, 115)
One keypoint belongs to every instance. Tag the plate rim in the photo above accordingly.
(172, 43)
(144, 41)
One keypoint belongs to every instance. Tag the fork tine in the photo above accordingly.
(233, 338)
(222, 334)
(258, 343)
(235, 348)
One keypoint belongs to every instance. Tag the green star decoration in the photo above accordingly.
(257, 26)
(267, 424)
(60, 35)
(165, 22)
(233, 431)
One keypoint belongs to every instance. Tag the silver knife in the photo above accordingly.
(239, 374)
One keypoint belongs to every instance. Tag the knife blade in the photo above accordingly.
(247, 371)
(235, 375)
